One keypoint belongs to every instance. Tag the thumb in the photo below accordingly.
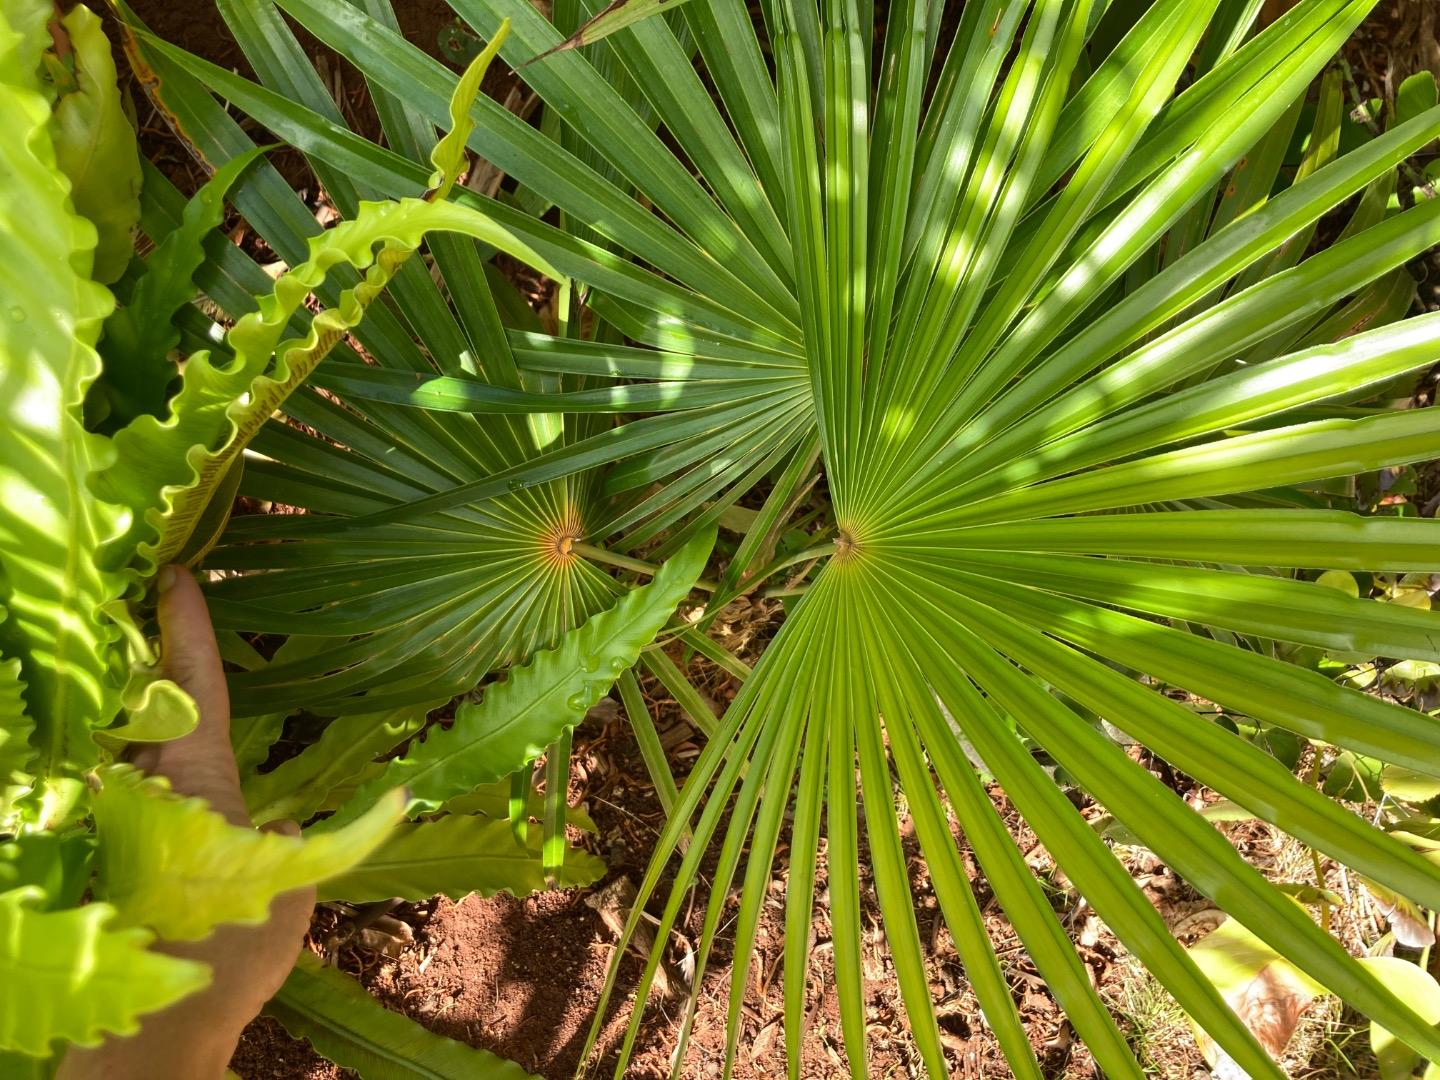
(189, 654)
(202, 762)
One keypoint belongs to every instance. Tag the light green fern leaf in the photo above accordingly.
(140, 336)
(457, 855)
(51, 528)
(67, 975)
(298, 787)
(449, 155)
(16, 754)
(177, 866)
(156, 709)
(169, 469)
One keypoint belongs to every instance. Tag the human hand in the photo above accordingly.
(194, 1039)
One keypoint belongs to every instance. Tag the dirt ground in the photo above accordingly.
(521, 977)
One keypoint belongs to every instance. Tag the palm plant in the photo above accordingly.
(1031, 282)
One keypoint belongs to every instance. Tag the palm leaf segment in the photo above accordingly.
(1000, 367)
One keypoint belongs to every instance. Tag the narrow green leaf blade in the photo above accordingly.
(457, 855)
(345, 1024)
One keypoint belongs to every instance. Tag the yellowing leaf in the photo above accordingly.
(1410, 596)
(1417, 988)
(1270, 993)
(1407, 785)
(1412, 672)
(1407, 921)
(1340, 581)
(1266, 991)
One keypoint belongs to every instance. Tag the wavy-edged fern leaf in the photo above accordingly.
(168, 469)
(94, 143)
(16, 754)
(459, 602)
(538, 702)
(51, 530)
(73, 975)
(178, 866)
(457, 855)
(140, 334)
(298, 787)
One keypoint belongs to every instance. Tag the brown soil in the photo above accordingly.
(267, 1053)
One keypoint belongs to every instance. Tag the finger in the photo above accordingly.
(201, 763)
(189, 654)
(290, 912)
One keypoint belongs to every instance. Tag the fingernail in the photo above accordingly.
(167, 578)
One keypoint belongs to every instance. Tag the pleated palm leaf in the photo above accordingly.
(445, 599)
(1016, 287)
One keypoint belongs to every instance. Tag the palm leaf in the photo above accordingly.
(538, 703)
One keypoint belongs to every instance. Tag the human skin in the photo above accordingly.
(194, 1039)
